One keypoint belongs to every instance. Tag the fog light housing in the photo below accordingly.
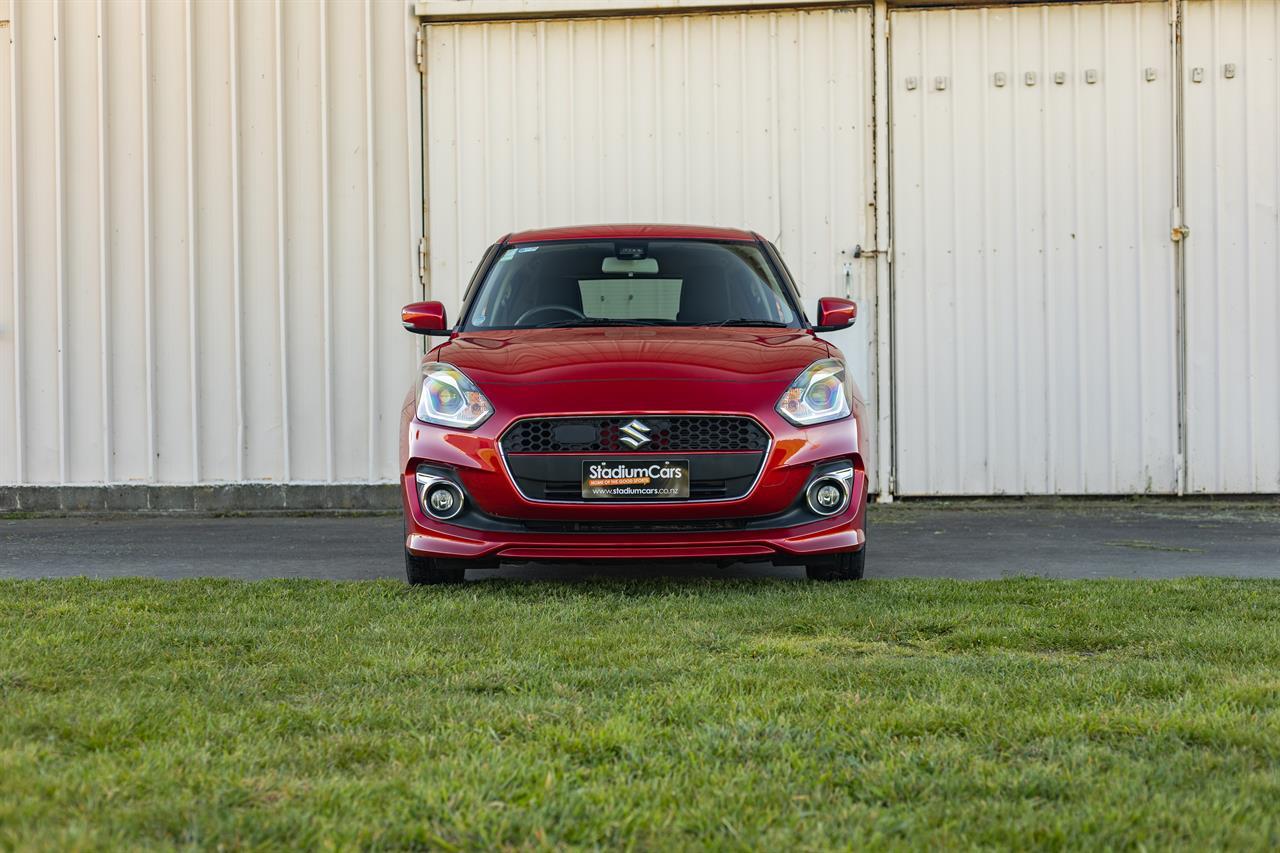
(440, 498)
(829, 494)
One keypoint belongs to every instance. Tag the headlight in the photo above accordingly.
(818, 395)
(449, 398)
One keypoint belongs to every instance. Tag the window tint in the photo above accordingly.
(659, 282)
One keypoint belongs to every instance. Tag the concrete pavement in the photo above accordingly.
(1059, 539)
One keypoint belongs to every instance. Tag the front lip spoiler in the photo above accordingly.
(764, 459)
(785, 543)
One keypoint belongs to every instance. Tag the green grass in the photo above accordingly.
(649, 714)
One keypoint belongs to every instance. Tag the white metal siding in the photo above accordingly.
(209, 214)
(1033, 276)
(1233, 253)
(210, 220)
(758, 120)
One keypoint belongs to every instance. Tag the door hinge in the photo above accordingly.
(1178, 231)
(421, 53)
(422, 264)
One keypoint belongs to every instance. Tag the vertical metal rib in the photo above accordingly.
(192, 291)
(16, 173)
(59, 242)
(326, 250)
(282, 302)
(237, 273)
(148, 298)
(104, 301)
(371, 232)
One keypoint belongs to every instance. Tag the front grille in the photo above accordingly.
(673, 433)
(558, 476)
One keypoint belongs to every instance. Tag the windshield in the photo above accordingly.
(630, 283)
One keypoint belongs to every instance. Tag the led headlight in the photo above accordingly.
(449, 398)
(818, 395)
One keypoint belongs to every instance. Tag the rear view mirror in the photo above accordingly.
(647, 266)
(835, 314)
(425, 318)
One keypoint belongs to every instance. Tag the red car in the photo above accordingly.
(633, 392)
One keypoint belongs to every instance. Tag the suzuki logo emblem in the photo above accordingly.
(635, 434)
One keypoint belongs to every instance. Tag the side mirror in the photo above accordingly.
(835, 314)
(425, 318)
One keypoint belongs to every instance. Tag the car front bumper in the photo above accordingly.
(770, 522)
(757, 540)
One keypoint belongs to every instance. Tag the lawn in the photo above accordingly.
(649, 714)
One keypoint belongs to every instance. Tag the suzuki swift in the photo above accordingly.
(644, 392)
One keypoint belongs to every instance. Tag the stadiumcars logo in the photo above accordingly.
(635, 480)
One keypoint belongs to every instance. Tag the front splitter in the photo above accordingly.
(798, 541)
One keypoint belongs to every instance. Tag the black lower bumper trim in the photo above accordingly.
(635, 527)
(474, 519)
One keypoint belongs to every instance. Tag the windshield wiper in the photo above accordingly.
(772, 324)
(600, 321)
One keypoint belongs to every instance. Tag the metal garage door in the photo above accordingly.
(757, 120)
(1033, 277)
(1232, 128)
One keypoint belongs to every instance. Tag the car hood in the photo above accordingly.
(567, 355)
(633, 368)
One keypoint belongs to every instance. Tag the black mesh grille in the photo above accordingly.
(603, 435)
(558, 476)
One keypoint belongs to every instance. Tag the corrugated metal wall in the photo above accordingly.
(759, 120)
(1232, 103)
(1033, 272)
(210, 215)
(210, 225)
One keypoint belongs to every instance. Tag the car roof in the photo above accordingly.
(632, 232)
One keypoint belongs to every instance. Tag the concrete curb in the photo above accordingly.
(238, 497)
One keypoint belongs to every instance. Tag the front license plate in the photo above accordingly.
(635, 480)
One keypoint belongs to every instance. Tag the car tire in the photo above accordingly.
(425, 570)
(844, 567)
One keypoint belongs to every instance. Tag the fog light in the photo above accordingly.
(442, 501)
(440, 498)
(828, 495)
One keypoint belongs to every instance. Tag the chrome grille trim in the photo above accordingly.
(764, 460)
(663, 434)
